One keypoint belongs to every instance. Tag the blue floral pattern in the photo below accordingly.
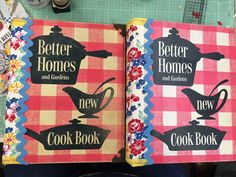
(135, 93)
(14, 85)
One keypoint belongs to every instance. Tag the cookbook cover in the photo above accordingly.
(66, 93)
(181, 100)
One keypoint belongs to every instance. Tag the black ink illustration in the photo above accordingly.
(121, 28)
(119, 157)
(77, 135)
(207, 105)
(175, 60)
(70, 136)
(197, 137)
(191, 137)
(89, 104)
(56, 58)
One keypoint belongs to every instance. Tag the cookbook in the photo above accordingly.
(81, 92)
(180, 93)
(66, 93)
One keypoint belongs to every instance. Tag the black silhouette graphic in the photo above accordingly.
(120, 157)
(192, 137)
(70, 136)
(175, 60)
(76, 135)
(89, 104)
(197, 137)
(207, 105)
(56, 58)
(121, 28)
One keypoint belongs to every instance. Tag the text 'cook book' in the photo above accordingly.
(76, 96)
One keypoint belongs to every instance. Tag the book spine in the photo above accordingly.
(137, 93)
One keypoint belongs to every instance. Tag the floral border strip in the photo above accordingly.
(24, 108)
(149, 92)
(13, 151)
(135, 94)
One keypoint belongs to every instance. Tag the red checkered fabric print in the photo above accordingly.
(49, 106)
(173, 109)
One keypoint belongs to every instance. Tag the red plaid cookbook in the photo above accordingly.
(66, 99)
(181, 98)
(66, 93)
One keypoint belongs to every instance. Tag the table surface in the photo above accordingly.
(121, 11)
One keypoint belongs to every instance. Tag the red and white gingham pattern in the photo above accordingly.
(48, 106)
(173, 109)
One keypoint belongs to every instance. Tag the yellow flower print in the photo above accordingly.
(9, 138)
(15, 87)
(15, 65)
